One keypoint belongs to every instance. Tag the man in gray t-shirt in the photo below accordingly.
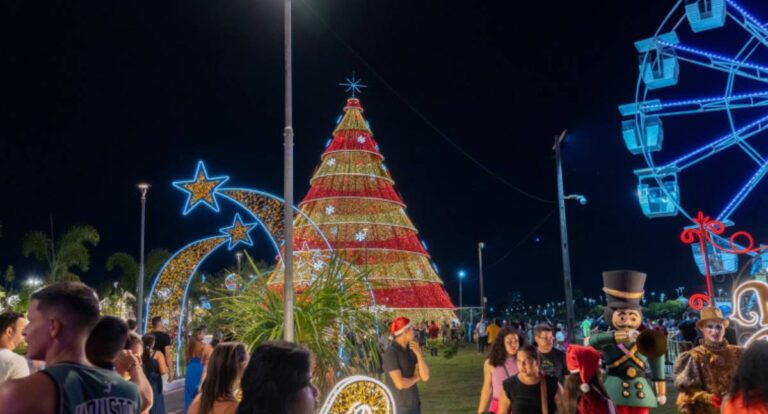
(404, 367)
(61, 317)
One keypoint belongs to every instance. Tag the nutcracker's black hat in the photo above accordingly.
(623, 290)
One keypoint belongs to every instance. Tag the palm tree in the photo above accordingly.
(71, 251)
(9, 276)
(128, 268)
(337, 298)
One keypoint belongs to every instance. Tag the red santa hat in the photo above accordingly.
(398, 326)
(585, 361)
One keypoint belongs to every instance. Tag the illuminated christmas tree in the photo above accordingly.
(353, 201)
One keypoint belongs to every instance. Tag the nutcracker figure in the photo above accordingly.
(626, 352)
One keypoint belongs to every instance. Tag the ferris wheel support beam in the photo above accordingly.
(696, 105)
(743, 192)
(720, 144)
(718, 62)
(748, 19)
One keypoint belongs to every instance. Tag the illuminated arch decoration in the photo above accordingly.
(758, 320)
(707, 233)
(359, 395)
(167, 297)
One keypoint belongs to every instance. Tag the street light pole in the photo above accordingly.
(462, 274)
(480, 247)
(288, 183)
(571, 320)
(143, 187)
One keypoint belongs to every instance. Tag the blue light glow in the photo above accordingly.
(423, 243)
(715, 56)
(201, 181)
(742, 194)
(744, 12)
(234, 232)
(656, 104)
(353, 85)
(719, 141)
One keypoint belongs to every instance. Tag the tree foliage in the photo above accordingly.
(128, 268)
(669, 309)
(71, 251)
(331, 311)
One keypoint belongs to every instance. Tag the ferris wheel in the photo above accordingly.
(703, 77)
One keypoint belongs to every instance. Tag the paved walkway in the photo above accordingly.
(174, 400)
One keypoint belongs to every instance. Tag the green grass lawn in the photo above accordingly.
(454, 385)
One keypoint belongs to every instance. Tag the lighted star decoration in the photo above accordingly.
(353, 85)
(201, 189)
(238, 232)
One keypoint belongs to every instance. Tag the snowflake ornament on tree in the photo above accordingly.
(330, 210)
(361, 235)
(361, 139)
(331, 162)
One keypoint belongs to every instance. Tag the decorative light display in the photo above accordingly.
(353, 201)
(201, 189)
(702, 232)
(169, 292)
(230, 282)
(359, 395)
(238, 232)
(748, 318)
(680, 53)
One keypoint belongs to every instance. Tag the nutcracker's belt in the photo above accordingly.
(626, 371)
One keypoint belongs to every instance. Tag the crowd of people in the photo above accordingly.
(78, 361)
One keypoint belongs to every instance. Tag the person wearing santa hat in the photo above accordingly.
(584, 390)
(404, 367)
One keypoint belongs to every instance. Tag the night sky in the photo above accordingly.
(97, 96)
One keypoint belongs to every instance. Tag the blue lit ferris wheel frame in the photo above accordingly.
(643, 111)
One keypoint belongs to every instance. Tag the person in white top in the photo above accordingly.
(12, 365)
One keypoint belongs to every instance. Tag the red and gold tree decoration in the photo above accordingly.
(353, 201)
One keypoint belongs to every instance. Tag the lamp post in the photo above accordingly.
(288, 179)
(462, 275)
(239, 256)
(561, 197)
(143, 188)
(480, 247)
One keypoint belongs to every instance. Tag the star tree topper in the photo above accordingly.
(238, 232)
(201, 189)
(353, 85)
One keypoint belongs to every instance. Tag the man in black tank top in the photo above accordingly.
(61, 317)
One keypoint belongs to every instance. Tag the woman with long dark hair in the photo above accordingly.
(277, 380)
(222, 379)
(153, 362)
(530, 391)
(500, 365)
(749, 387)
